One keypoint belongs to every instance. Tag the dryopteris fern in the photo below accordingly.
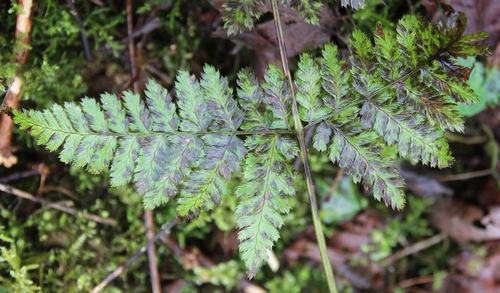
(402, 90)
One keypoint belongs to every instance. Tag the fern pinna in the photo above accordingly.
(402, 90)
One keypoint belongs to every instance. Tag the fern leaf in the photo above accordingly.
(402, 89)
(424, 142)
(251, 97)
(122, 169)
(138, 114)
(268, 177)
(277, 97)
(163, 111)
(239, 14)
(171, 150)
(193, 110)
(336, 79)
(309, 90)
(358, 156)
(223, 153)
(309, 10)
(153, 149)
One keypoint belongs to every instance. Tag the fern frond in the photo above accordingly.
(425, 48)
(391, 97)
(268, 178)
(402, 89)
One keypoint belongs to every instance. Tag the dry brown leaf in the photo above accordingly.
(299, 35)
(423, 184)
(344, 246)
(459, 219)
(477, 274)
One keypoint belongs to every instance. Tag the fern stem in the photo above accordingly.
(318, 229)
(170, 133)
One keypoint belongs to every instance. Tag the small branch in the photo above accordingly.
(419, 246)
(153, 268)
(464, 176)
(133, 258)
(23, 41)
(56, 206)
(131, 45)
(466, 140)
(335, 184)
(60, 190)
(85, 41)
(415, 281)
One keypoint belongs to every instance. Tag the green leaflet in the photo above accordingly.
(355, 4)
(239, 15)
(401, 89)
(268, 177)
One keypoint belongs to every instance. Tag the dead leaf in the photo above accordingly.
(423, 184)
(343, 247)
(458, 219)
(477, 274)
(299, 35)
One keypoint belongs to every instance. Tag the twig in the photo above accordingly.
(131, 45)
(153, 268)
(62, 190)
(335, 184)
(410, 5)
(464, 176)
(23, 194)
(133, 258)
(414, 249)
(23, 30)
(415, 281)
(85, 41)
(464, 139)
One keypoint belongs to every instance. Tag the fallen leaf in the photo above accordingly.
(343, 247)
(298, 34)
(477, 274)
(458, 219)
(423, 184)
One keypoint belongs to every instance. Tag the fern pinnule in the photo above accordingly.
(336, 79)
(268, 178)
(223, 153)
(309, 92)
(277, 97)
(238, 15)
(251, 97)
